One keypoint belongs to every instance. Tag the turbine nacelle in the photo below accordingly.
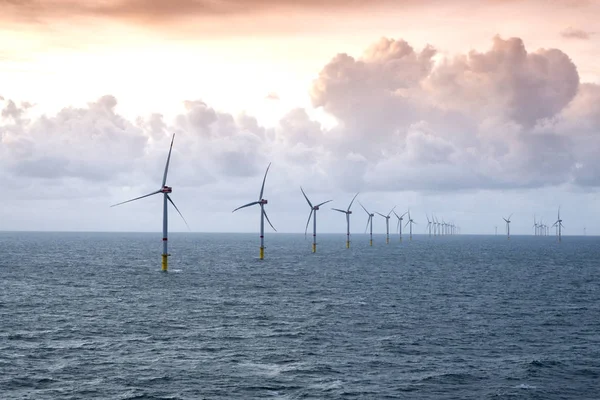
(166, 189)
(315, 208)
(263, 202)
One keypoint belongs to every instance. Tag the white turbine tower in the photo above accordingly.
(347, 212)
(369, 223)
(387, 225)
(165, 190)
(313, 214)
(263, 214)
(559, 226)
(399, 227)
(410, 222)
(535, 226)
(507, 220)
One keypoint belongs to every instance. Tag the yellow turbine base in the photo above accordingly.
(165, 262)
(348, 244)
(370, 243)
(314, 247)
(262, 253)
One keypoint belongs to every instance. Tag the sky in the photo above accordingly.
(466, 110)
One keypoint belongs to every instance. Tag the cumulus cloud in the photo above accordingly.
(504, 118)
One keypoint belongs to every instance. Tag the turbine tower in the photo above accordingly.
(507, 220)
(387, 225)
(347, 212)
(369, 223)
(313, 214)
(263, 214)
(535, 226)
(410, 222)
(399, 227)
(165, 190)
(559, 226)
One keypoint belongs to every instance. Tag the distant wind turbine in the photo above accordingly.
(165, 190)
(559, 226)
(347, 212)
(369, 223)
(313, 214)
(410, 222)
(387, 225)
(263, 214)
(399, 227)
(535, 226)
(507, 220)
(428, 224)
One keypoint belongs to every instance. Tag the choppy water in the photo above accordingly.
(90, 316)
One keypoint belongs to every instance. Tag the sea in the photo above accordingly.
(91, 316)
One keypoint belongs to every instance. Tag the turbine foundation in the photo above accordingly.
(262, 253)
(165, 262)
(314, 247)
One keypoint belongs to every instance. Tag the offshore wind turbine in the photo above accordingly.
(410, 222)
(313, 214)
(559, 226)
(165, 190)
(387, 225)
(347, 212)
(428, 224)
(535, 225)
(263, 214)
(399, 227)
(369, 222)
(507, 220)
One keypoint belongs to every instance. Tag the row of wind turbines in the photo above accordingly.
(540, 229)
(434, 227)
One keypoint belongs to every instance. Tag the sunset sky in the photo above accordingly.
(468, 109)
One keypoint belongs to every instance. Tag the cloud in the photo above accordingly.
(407, 119)
(572, 33)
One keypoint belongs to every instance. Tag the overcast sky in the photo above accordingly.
(470, 110)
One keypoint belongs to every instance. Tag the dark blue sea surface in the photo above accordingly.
(90, 316)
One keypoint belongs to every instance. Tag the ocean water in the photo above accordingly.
(90, 316)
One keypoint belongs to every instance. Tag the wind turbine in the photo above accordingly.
(507, 220)
(399, 227)
(410, 222)
(313, 214)
(535, 225)
(387, 225)
(261, 202)
(559, 226)
(428, 224)
(347, 212)
(165, 190)
(369, 222)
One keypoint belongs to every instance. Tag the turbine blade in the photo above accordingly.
(342, 211)
(180, 214)
(262, 188)
(246, 205)
(363, 207)
(368, 220)
(137, 198)
(510, 216)
(352, 201)
(384, 216)
(404, 214)
(390, 213)
(308, 222)
(307, 200)
(504, 219)
(325, 202)
(267, 217)
(164, 181)
(397, 216)
(407, 222)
